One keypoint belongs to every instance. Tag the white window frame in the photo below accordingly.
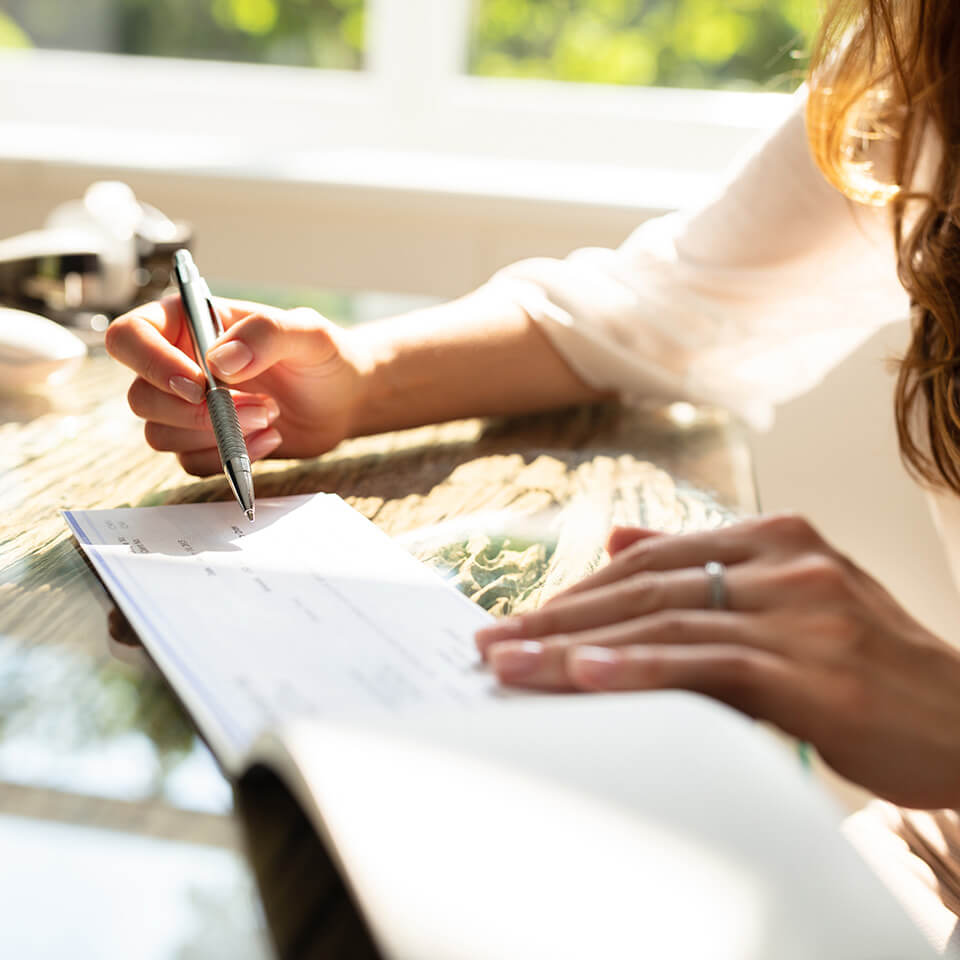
(407, 176)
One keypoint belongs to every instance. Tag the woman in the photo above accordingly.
(744, 302)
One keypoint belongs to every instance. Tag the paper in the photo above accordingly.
(311, 610)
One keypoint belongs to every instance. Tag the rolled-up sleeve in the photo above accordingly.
(743, 302)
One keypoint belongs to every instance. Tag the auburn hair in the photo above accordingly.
(883, 117)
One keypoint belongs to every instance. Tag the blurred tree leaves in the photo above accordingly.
(746, 44)
(10, 34)
(317, 33)
(676, 43)
(258, 17)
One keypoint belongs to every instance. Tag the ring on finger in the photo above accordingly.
(717, 583)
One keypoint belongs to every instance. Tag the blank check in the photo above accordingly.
(312, 610)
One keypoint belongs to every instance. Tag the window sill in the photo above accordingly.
(404, 221)
(349, 182)
(113, 152)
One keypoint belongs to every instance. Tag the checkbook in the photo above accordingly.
(394, 797)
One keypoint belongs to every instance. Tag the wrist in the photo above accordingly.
(370, 352)
(480, 355)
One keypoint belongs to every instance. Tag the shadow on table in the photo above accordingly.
(414, 463)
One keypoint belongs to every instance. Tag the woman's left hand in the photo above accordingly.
(805, 639)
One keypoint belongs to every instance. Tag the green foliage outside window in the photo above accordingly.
(314, 33)
(746, 44)
(679, 43)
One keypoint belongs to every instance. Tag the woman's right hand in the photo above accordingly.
(297, 379)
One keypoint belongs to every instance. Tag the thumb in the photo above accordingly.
(622, 537)
(265, 337)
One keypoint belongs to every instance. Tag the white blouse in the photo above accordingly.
(744, 302)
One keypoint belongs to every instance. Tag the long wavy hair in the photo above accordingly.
(883, 118)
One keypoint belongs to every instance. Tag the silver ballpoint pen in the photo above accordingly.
(205, 327)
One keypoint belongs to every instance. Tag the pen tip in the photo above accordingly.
(250, 514)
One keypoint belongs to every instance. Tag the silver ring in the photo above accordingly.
(717, 579)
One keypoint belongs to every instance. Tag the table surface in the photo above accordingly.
(115, 824)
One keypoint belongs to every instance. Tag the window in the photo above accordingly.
(304, 33)
(716, 44)
(434, 146)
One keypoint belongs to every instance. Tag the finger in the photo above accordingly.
(757, 682)
(627, 599)
(267, 337)
(160, 436)
(148, 402)
(543, 663)
(622, 537)
(120, 629)
(153, 340)
(166, 315)
(146, 340)
(205, 463)
(727, 545)
(530, 664)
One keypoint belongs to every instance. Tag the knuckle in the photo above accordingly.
(673, 626)
(648, 670)
(819, 573)
(156, 435)
(739, 674)
(200, 417)
(845, 629)
(845, 562)
(193, 464)
(262, 326)
(151, 370)
(637, 558)
(842, 636)
(559, 644)
(641, 594)
(739, 665)
(137, 396)
(790, 528)
(538, 623)
(306, 318)
(115, 335)
(322, 332)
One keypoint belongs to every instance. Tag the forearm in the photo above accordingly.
(479, 355)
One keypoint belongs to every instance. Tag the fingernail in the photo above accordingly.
(260, 444)
(188, 390)
(253, 418)
(516, 661)
(273, 409)
(593, 666)
(230, 357)
(505, 630)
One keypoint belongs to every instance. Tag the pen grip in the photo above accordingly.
(226, 426)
